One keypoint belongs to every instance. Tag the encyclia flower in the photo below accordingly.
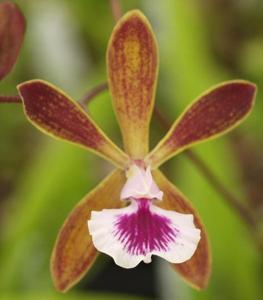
(135, 212)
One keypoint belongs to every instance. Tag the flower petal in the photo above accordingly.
(214, 113)
(135, 233)
(54, 113)
(195, 271)
(12, 29)
(74, 252)
(140, 184)
(132, 60)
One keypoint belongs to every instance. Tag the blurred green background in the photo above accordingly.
(201, 42)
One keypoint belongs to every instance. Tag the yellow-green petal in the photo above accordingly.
(74, 253)
(132, 60)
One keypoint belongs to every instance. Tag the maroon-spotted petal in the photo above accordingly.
(74, 252)
(12, 29)
(132, 60)
(56, 114)
(214, 113)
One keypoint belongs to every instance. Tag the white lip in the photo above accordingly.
(102, 227)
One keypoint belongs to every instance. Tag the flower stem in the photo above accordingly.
(84, 101)
(10, 99)
(93, 92)
(116, 9)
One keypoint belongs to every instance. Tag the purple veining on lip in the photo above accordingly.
(144, 231)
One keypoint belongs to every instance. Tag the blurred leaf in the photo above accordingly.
(69, 296)
(57, 179)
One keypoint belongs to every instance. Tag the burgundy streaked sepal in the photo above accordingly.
(56, 114)
(132, 60)
(214, 113)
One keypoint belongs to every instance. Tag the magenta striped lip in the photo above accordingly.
(144, 231)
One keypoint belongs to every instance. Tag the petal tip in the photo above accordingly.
(249, 90)
(133, 15)
(59, 284)
(21, 87)
(241, 83)
(137, 13)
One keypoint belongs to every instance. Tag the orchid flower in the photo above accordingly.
(136, 212)
(12, 29)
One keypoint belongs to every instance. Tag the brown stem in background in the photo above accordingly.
(10, 99)
(93, 93)
(116, 9)
(220, 188)
(84, 101)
